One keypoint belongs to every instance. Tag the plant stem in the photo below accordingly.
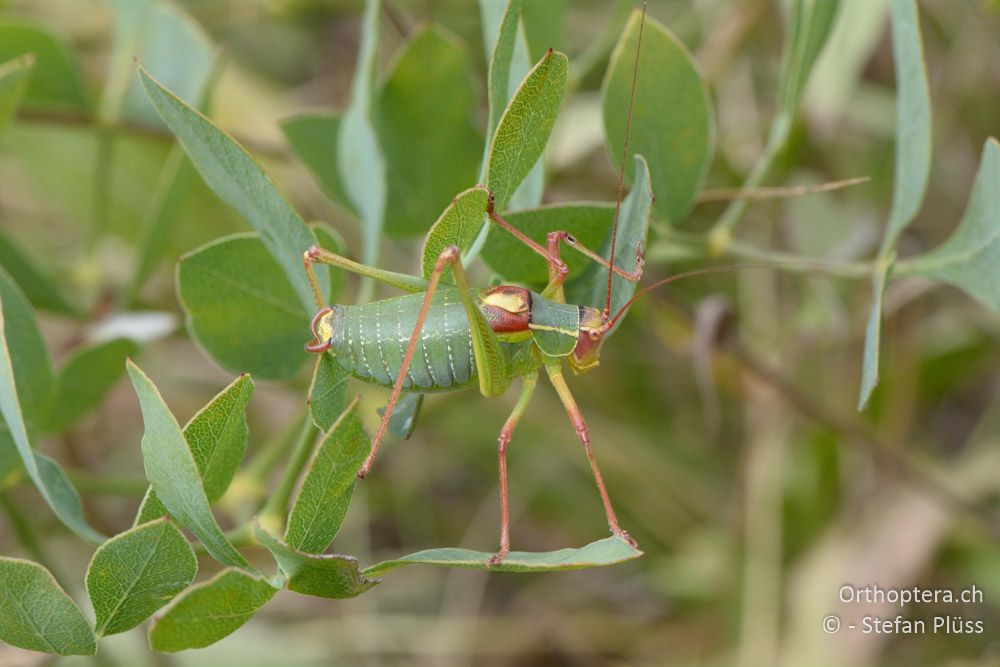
(129, 486)
(273, 512)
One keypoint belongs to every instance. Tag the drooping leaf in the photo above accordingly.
(970, 258)
(425, 127)
(239, 181)
(136, 572)
(40, 288)
(525, 126)
(322, 575)
(313, 138)
(29, 356)
(173, 473)
(241, 308)
(56, 83)
(326, 491)
(609, 551)
(458, 225)
(87, 378)
(809, 25)
(360, 161)
(176, 51)
(672, 119)
(873, 333)
(587, 222)
(36, 614)
(14, 78)
(328, 391)
(913, 121)
(25, 374)
(633, 224)
(210, 611)
(912, 169)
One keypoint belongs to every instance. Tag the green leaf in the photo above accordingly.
(873, 332)
(247, 320)
(14, 78)
(404, 415)
(330, 238)
(56, 83)
(175, 50)
(314, 140)
(587, 222)
(136, 572)
(322, 575)
(326, 491)
(328, 391)
(672, 118)
(913, 166)
(41, 290)
(501, 25)
(25, 374)
(458, 225)
(29, 356)
(85, 381)
(217, 438)
(360, 162)
(36, 614)
(970, 257)
(609, 551)
(210, 611)
(425, 127)
(173, 473)
(913, 121)
(809, 26)
(239, 181)
(525, 126)
(633, 224)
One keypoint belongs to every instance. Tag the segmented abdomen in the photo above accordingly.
(370, 340)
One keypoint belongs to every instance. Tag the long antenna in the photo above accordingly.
(624, 162)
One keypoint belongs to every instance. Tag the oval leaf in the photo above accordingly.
(425, 127)
(328, 391)
(313, 138)
(56, 83)
(36, 614)
(173, 473)
(247, 320)
(237, 179)
(136, 572)
(217, 438)
(210, 611)
(609, 551)
(525, 126)
(326, 491)
(322, 575)
(85, 381)
(458, 225)
(672, 119)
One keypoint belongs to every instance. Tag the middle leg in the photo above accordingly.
(527, 389)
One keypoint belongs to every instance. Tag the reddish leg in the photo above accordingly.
(527, 389)
(554, 370)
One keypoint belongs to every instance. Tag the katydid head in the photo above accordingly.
(322, 331)
(587, 352)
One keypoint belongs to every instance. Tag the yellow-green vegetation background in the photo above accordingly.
(722, 412)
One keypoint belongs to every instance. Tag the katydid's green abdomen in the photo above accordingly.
(370, 340)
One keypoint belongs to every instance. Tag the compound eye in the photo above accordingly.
(594, 334)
